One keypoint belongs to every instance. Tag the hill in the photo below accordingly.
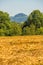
(21, 17)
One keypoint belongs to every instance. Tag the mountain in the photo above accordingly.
(21, 17)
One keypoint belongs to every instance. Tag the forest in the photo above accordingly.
(32, 26)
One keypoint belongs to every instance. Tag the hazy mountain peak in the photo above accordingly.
(19, 17)
(20, 14)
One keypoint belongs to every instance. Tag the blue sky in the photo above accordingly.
(20, 6)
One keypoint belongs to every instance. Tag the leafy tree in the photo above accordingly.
(5, 23)
(33, 25)
(4, 17)
(26, 31)
(16, 29)
(37, 31)
(4, 20)
(2, 32)
(41, 30)
(36, 17)
(32, 29)
(29, 30)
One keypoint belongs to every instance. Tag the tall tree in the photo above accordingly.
(36, 17)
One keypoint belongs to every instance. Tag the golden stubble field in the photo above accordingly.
(21, 50)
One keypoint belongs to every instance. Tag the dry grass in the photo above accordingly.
(21, 50)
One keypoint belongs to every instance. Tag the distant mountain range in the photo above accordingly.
(21, 17)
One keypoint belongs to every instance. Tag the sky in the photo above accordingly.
(14, 7)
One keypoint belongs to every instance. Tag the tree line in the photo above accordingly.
(33, 25)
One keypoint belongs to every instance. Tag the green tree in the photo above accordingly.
(37, 31)
(4, 20)
(26, 31)
(16, 29)
(5, 24)
(41, 30)
(2, 32)
(4, 17)
(32, 29)
(29, 30)
(36, 17)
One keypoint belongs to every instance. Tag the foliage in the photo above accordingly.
(29, 30)
(26, 31)
(36, 17)
(33, 25)
(16, 29)
(2, 32)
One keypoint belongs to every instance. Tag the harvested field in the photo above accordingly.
(21, 50)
